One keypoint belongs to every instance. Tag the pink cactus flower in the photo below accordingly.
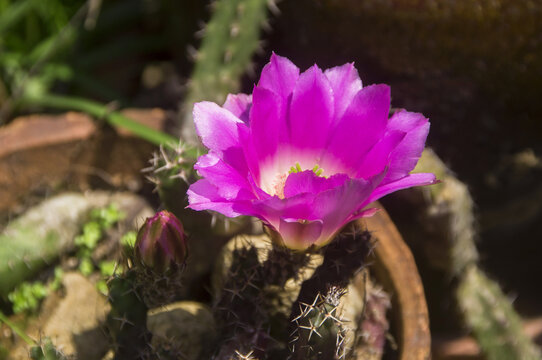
(305, 153)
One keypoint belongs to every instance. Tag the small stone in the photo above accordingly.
(75, 325)
(185, 327)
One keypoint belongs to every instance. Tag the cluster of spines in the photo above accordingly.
(46, 350)
(319, 331)
(171, 171)
(314, 314)
(158, 289)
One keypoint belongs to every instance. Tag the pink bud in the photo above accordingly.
(161, 242)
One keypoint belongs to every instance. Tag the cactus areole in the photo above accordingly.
(306, 152)
(161, 242)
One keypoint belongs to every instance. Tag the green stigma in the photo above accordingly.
(297, 168)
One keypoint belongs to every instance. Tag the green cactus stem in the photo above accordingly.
(498, 328)
(127, 320)
(317, 329)
(46, 350)
(319, 332)
(229, 41)
(171, 170)
(255, 285)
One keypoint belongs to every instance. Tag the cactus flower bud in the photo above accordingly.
(161, 242)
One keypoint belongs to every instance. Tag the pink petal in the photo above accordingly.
(220, 131)
(272, 209)
(361, 126)
(308, 182)
(311, 111)
(202, 195)
(378, 158)
(345, 83)
(299, 234)
(239, 105)
(267, 123)
(230, 184)
(217, 127)
(279, 75)
(403, 183)
(405, 156)
(335, 207)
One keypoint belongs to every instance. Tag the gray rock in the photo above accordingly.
(187, 327)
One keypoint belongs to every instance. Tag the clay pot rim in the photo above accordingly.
(394, 267)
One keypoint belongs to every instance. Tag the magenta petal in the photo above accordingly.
(267, 123)
(345, 83)
(239, 105)
(217, 127)
(299, 234)
(273, 208)
(279, 75)
(311, 110)
(378, 158)
(404, 183)
(405, 156)
(202, 195)
(230, 184)
(220, 131)
(335, 206)
(308, 182)
(361, 126)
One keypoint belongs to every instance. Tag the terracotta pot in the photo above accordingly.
(42, 152)
(395, 269)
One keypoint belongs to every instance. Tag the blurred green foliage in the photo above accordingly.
(27, 296)
(100, 221)
(128, 240)
(32, 31)
(90, 49)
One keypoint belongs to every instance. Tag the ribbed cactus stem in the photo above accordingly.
(229, 41)
(319, 332)
(492, 318)
(127, 320)
(317, 327)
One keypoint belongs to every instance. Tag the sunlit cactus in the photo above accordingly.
(229, 41)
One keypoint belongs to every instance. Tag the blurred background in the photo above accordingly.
(474, 68)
